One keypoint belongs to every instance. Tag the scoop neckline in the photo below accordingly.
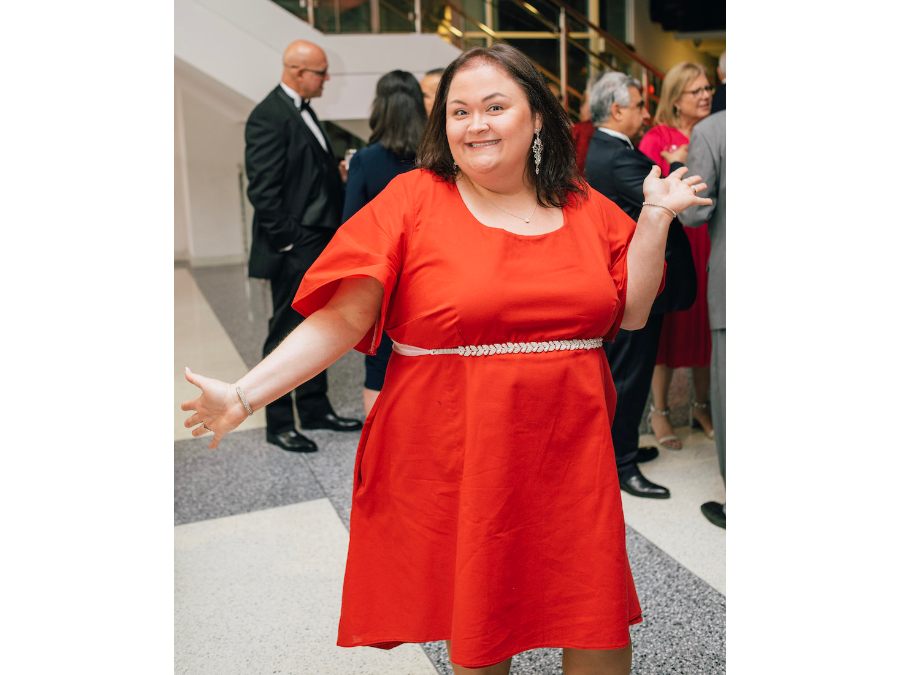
(513, 234)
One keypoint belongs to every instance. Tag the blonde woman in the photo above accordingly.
(686, 99)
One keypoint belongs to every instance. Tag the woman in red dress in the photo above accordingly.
(486, 505)
(686, 341)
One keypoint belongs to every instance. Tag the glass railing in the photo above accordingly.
(563, 42)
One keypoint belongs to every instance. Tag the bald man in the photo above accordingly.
(295, 186)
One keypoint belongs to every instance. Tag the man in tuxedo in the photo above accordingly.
(617, 170)
(295, 186)
(718, 99)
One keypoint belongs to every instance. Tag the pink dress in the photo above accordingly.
(686, 340)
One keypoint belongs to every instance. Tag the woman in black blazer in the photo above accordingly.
(397, 122)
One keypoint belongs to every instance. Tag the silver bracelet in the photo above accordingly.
(674, 215)
(244, 400)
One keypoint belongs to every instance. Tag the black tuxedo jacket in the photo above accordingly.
(718, 100)
(293, 183)
(617, 171)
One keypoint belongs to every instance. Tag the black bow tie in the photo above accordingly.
(304, 105)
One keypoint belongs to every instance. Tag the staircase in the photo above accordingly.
(564, 43)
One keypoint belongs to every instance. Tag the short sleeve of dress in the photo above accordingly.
(620, 230)
(370, 244)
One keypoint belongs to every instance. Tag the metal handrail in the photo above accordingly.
(578, 16)
(558, 29)
(581, 18)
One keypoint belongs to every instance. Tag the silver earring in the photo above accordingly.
(537, 148)
(454, 165)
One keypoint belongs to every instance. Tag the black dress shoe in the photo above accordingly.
(715, 513)
(646, 453)
(639, 486)
(291, 440)
(333, 422)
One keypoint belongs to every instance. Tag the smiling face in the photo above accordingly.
(695, 106)
(490, 125)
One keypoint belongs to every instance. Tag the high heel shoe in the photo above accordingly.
(696, 424)
(670, 442)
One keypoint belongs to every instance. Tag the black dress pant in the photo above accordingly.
(311, 399)
(632, 358)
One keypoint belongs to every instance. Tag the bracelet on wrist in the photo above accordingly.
(674, 215)
(243, 400)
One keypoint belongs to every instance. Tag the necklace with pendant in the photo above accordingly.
(527, 220)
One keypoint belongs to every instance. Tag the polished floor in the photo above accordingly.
(261, 534)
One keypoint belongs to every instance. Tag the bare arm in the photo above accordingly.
(310, 348)
(647, 251)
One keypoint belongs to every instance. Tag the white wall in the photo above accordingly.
(214, 148)
(182, 205)
(240, 42)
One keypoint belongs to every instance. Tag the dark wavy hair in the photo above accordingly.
(398, 114)
(558, 180)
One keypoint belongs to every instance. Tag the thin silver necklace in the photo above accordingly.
(527, 220)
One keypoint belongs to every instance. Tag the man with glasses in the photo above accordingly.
(617, 170)
(295, 186)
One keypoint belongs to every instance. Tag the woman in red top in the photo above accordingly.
(686, 340)
(486, 505)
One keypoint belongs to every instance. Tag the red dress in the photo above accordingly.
(686, 340)
(582, 132)
(486, 504)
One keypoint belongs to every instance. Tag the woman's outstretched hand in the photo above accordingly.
(672, 191)
(218, 407)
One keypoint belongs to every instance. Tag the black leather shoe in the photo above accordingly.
(291, 440)
(646, 453)
(333, 422)
(639, 486)
(715, 513)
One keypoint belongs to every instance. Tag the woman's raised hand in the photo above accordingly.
(218, 407)
(678, 154)
(673, 192)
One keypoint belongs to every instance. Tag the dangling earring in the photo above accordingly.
(537, 148)
(454, 165)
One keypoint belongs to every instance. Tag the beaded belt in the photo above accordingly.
(503, 348)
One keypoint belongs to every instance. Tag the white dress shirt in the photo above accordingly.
(617, 134)
(310, 122)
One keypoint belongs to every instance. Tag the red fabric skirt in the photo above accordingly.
(686, 341)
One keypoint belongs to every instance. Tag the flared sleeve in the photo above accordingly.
(620, 230)
(370, 244)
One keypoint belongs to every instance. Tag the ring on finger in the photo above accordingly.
(205, 427)
(694, 189)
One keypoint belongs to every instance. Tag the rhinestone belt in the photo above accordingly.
(503, 348)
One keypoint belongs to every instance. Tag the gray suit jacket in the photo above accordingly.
(706, 158)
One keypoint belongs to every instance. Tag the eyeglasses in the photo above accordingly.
(320, 73)
(696, 92)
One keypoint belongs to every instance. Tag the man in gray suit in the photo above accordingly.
(706, 157)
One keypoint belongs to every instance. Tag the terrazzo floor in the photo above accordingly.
(250, 599)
